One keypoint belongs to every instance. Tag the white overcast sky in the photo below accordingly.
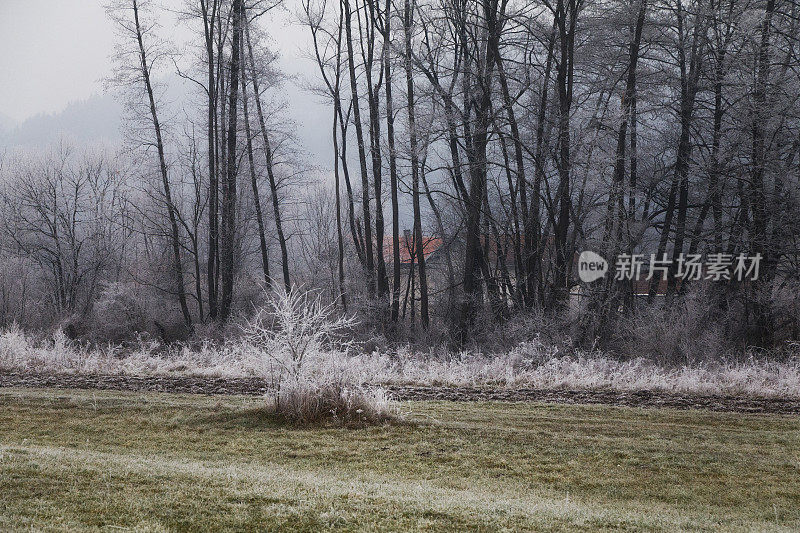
(53, 52)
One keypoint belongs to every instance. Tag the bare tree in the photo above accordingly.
(408, 19)
(228, 233)
(262, 237)
(127, 16)
(362, 158)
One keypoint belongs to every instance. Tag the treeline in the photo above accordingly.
(532, 130)
(478, 146)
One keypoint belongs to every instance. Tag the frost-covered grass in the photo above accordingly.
(529, 365)
(537, 367)
(106, 461)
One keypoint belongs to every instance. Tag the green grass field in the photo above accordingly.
(80, 460)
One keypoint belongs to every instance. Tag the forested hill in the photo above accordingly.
(94, 119)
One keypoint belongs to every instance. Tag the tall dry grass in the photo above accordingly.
(330, 377)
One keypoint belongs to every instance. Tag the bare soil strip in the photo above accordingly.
(258, 386)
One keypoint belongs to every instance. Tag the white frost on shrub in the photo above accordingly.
(312, 378)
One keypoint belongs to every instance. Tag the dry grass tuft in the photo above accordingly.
(332, 401)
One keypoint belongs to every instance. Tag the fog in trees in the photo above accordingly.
(475, 150)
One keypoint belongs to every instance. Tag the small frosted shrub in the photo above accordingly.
(313, 379)
(293, 326)
(15, 347)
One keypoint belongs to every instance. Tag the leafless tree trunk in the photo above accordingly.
(262, 237)
(209, 20)
(387, 67)
(566, 18)
(415, 168)
(763, 335)
(607, 301)
(273, 185)
(175, 236)
(367, 31)
(362, 158)
(689, 87)
(480, 100)
(534, 259)
(228, 236)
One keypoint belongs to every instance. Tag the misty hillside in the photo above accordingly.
(94, 119)
(6, 123)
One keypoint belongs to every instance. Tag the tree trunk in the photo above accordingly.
(227, 261)
(764, 326)
(521, 181)
(362, 158)
(262, 237)
(607, 301)
(373, 92)
(273, 185)
(339, 236)
(209, 20)
(533, 266)
(418, 237)
(392, 165)
(689, 85)
(173, 223)
(477, 142)
(566, 17)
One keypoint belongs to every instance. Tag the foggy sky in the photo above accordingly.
(55, 52)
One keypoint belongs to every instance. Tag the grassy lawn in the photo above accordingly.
(106, 461)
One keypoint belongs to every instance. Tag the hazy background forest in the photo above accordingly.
(430, 168)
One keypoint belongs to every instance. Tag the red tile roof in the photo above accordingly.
(429, 246)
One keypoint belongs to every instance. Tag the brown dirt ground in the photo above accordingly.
(257, 386)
